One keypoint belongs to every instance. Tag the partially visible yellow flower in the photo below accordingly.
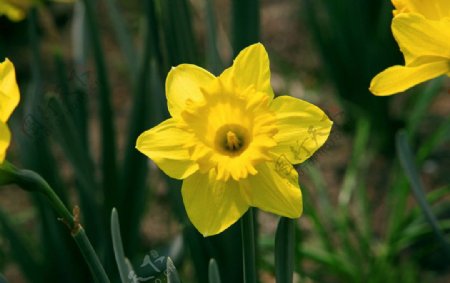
(9, 98)
(16, 10)
(232, 142)
(430, 9)
(422, 31)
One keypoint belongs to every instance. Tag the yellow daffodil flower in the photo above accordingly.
(16, 10)
(232, 142)
(9, 98)
(422, 31)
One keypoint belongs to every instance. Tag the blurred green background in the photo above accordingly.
(92, 74)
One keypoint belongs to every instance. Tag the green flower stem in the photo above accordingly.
(248, 247)
(33, 182)
(88, 252)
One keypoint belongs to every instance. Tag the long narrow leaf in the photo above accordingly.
(172, 273)
(407, 161)
(245, 24)
(121, 260)
(20, 250)
(108, 138)
(123, 36)
(213, 62)
(285, 250)
(213, 272)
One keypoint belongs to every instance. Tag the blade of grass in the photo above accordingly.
(441, 135)
(178, 32)
(248, 247)
(80, 53)
(172, 273)
(423, 101)
(20, 250)
(285, 250)
(37, 155)
(334, 263)
(123, 36)
(213, 62)
(407, 161)
(319, 225)
(213, 271)
(134, 169)
(350, 183)
(108, 138)
(121, 260)
(68, 138)
(245, 24)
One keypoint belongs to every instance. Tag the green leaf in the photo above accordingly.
(213, 271)
(122, 262)
(245, 24)
(172, 274)
(107, 137)
(213, 62)
(178, 33)
(134, 170)
(407, 161)
(122, 36)
(424, 99)
(333, 262)
(285, 250)
(20, 250)
(249, 247)
(68, 138)
(437, 138)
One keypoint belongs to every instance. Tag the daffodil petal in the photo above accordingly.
(212, 206)
(183, 83)
(399, 78)
(275, 188)
(433, 10)
(9, 91)
(164, 145)
(250, 68)
(418, 36)
(302, 128)
(5, 139)
(14, 13)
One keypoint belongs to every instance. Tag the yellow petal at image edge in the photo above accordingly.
(5, 139)
(212, 206)
(183, 83)
(164, 145)
(9, 90)
(400, 78)
(302, 128)
(275, 189)
(433, 10)
(418, 36)
(13, 13)
(250, 68)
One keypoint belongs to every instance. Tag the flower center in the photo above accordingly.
(233, 142)
(232, 139)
